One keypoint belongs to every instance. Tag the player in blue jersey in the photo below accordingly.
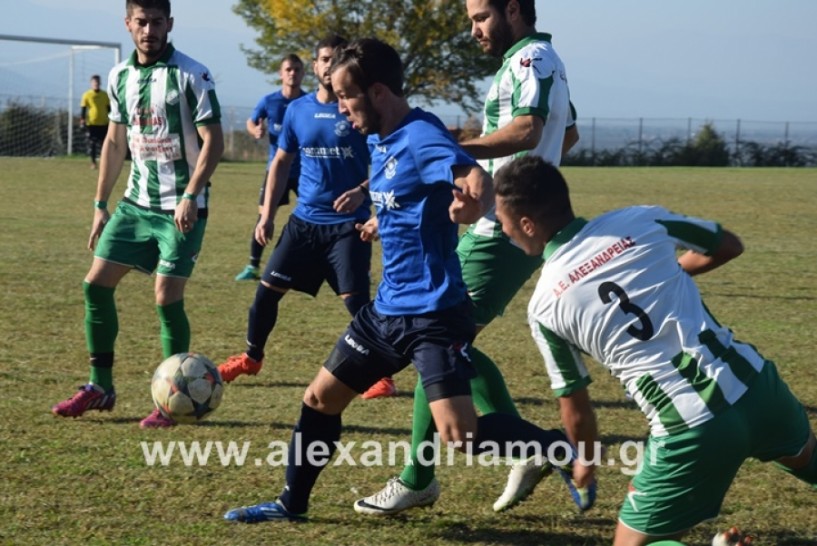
(422, 184)
(271, 108)
(527, 111)
(319, 242)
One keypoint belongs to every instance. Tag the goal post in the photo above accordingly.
(62, 62)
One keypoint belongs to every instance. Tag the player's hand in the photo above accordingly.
(186, 215)
(369, 230)
(258, 131)
(101, 217)
(263, 230)
(465, 208)
(350, 200)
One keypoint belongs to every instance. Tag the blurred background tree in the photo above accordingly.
(442, 61)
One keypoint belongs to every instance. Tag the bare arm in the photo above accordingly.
(571, 138)
(212, 149)
(696, 263)
(255, 128)
(521, 134)
(476, 195)
(276, 186)
(579, 421)
(111, 159)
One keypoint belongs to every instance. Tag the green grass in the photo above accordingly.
(86, 480)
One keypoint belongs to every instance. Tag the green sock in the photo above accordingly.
(417, 475)
(101, 329)
(175, 328)
(488, 387)
(103, 377)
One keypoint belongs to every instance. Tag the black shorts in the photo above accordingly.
(308, 254)
(376, 346)
(292, 185)
(97, 133)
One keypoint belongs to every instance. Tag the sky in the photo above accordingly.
(673, 59)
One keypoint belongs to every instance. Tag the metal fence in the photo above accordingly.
(640, 136)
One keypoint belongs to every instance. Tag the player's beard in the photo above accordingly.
(375, 121)
(501, 39)
(153, 50)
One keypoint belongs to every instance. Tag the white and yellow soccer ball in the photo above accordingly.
(186, 387)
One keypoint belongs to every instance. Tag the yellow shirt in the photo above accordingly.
(98, 104)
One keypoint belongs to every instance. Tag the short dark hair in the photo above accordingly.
(526, 7)
(96, 77)
(369, 61)
(532, 187)
(332, 40)
(163, 5)
(292, 59)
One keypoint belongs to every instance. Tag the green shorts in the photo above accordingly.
(149, 241)
(493, 270)
(685, 476)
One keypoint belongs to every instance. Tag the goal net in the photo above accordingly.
(41, 84)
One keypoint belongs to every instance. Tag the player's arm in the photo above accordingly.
(520, 135)
(475, 196)
(696, 263)
(212, 148)
(276, 186)
(571, 138)
(571, 131)
(579, 421)
(350, 200)
(255, 128)
(111, 159)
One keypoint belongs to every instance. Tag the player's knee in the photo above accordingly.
(328, 394)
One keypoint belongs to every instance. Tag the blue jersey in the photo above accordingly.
(334, 159)
(272, 108)
(411, 186)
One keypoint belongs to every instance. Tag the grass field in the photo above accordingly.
(86, 481)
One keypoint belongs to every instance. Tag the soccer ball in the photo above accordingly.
(186, 387)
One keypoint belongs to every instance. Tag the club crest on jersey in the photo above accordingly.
(342, 128)
(391, 167)
(172, 97)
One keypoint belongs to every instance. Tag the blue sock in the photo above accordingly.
(301, 473)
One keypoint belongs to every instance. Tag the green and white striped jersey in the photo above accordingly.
(531, 81)
(613, 288)
(162, 104)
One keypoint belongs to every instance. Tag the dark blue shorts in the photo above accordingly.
(308, 254)
(292, 185)
(375, 346)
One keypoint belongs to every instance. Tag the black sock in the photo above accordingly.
(263, 315)
(506, 433)
(302, 473)
(256, 250)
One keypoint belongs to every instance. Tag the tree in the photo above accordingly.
(707, 149)
(442, 61)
